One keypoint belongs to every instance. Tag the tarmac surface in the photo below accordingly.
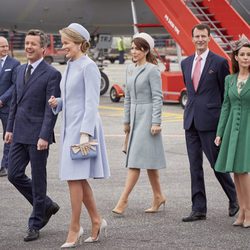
(135, 229)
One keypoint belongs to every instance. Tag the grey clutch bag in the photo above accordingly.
(83, 151)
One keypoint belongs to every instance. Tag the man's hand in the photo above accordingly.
(42, 144)
(8, 137)
(1, 104)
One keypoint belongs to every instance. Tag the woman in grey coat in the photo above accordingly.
(80, 88)
(142, 108)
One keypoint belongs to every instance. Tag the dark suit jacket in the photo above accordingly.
(30, 115)
(203, 106)
(7, 78)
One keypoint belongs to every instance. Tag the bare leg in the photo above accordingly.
(240, 197)
(89, 202)
(159, 198)
(132, 178)
(245, 187)
(76, 196)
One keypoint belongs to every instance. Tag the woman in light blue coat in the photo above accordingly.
(143, 107)
(80, 89)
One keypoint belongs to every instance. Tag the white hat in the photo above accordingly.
(149, 39)
(80, 29)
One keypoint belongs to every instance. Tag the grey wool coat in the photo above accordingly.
(142, 109)
(80, 91)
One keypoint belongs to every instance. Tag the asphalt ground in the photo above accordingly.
(135, 229)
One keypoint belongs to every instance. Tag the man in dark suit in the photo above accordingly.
(204, 74)
(30, 129)
(7, 73)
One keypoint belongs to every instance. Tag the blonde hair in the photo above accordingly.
(76, 38)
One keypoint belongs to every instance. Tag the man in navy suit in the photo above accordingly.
(30, 130)
(7, 72)
(205, 88)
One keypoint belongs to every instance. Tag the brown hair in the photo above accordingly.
(143, 45)
(235, 64)
(76, 38)
(201, 26)
(41, 34)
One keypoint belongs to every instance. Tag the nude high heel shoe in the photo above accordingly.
(103, 228)
(156, 206)
(240, 219)
(246, 223)
(120, 207)
(78, 241)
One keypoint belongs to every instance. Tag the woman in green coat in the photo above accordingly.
(233, 132)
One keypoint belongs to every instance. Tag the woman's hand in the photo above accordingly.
(126, 128)
(217, 141)
(84, 138)
(155, 129)
(52, 102)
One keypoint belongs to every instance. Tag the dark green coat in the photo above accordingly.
(234, 128)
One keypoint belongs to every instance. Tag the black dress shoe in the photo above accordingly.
(233, 209)
(53, 209)
(194, 216)
(32, 234)
(3, 172)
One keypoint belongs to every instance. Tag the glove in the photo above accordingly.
(84, 138)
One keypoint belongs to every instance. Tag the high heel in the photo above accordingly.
(103, 228)
(240, 219)
(238, 223)
(120, 207)
(156, 206)
(246, 222)
(78, 241)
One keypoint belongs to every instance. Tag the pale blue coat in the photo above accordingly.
(143, 108)
(80, 91)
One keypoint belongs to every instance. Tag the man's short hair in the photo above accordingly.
(41, 34)
(201, 26)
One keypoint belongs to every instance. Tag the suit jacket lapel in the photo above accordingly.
(205, 69)
(39, 70)
(189, 70)
(20, 82)
(246, 88)
(233, 85)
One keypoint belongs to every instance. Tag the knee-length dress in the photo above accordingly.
(234, 128)
(80, 91)
(142, 109)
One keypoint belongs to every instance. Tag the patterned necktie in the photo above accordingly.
(197, 72)
(28, 73)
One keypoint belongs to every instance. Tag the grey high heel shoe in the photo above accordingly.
(103, 228)
(78, 241)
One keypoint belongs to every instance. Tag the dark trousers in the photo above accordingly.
(121, 57)
(6, 147)
(34, 189)
(198, 142)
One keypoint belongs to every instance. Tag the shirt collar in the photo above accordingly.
(36, 63)
(4, 59)
(203, 55)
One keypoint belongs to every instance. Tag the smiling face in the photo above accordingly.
(200, 40)
(72, 50)
(4, 47)
(138, 55)
(243, 57)
(33, 48)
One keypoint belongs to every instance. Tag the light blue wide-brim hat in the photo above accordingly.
(81, 30)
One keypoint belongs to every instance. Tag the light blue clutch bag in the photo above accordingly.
(83, 151)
